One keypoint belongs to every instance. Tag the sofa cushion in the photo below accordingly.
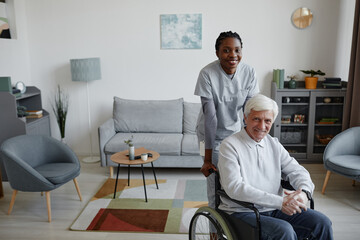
(167, 144)
(156, 116)
(190, 145)
(191, 113)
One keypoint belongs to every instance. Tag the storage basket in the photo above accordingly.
(324, 139)
(290, 137)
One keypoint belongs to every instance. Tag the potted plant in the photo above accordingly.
(131, 148)
(22, 113)
(311, 82)
(60, 110)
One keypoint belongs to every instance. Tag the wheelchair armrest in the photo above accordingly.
(287, 185)
(248, 205)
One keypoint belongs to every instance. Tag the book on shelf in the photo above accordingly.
(332, 80)
(14, 90)
(5, 84)
(332, 85)
(34, 116)
(35, 112)
(278, 77)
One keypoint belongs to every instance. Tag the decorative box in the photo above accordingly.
(290, 137)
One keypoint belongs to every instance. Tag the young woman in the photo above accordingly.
(224, 87)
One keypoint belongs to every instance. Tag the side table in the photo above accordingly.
(122, 158)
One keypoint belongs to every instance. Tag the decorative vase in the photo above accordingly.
(131, 153)
(292, 84)
(311, 82)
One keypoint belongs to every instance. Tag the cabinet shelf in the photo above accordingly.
(328, 125)
(11, 125)
(294, 124)
(30, 92)
(295, 104)
(31, 120)
(329, 104)
(294, 144)
(300, 138)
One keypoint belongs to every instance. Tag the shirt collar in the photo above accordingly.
(249, 141)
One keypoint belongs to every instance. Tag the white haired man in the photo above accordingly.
(251, 166)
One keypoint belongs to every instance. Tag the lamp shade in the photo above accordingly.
(85, 69)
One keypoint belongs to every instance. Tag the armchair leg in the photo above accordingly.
(48, 203)
(12, 201)
(326, 181)
(77, 188)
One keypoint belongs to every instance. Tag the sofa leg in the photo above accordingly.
(111, 172)
(326, 181)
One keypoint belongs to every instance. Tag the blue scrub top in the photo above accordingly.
(229, 96)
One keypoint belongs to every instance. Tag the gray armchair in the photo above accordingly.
(38, 164)
(342, 155)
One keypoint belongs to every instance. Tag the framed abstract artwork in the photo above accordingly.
(181, 31)
(4, 23)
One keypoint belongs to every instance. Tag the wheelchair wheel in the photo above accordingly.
(208, 224)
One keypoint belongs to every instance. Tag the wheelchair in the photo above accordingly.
(214, 224)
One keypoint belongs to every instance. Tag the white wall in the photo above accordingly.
(126, 36)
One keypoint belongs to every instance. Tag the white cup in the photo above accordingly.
(144, 156)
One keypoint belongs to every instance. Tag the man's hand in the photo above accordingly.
(302, 197)
(206, 167)
(293, 202)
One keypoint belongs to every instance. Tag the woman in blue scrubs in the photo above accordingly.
(224, 87)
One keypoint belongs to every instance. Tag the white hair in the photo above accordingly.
(261, 103)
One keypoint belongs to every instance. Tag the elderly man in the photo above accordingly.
(251, 166)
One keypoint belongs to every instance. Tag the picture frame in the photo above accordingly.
(181, 31)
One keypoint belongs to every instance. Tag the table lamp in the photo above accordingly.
(86, 70)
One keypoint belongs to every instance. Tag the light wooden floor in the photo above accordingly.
(29, 216)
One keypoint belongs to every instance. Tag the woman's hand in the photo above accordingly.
(207, 163)
(206, 167)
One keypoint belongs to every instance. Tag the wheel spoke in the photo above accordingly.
(204, 227)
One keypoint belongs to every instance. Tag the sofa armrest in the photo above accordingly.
(106, 131)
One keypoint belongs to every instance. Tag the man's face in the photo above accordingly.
(258, 124)
(229, 54)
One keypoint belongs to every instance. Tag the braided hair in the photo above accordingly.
(224, 35)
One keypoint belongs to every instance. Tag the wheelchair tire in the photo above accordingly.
(206, 218)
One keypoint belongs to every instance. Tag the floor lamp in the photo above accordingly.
(86, 70)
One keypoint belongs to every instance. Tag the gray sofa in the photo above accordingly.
(165, 126)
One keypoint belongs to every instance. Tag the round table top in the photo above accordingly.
(121, 158)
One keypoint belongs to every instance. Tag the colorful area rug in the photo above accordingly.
(169, 209)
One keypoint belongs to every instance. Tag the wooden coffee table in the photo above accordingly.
(123, 158)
